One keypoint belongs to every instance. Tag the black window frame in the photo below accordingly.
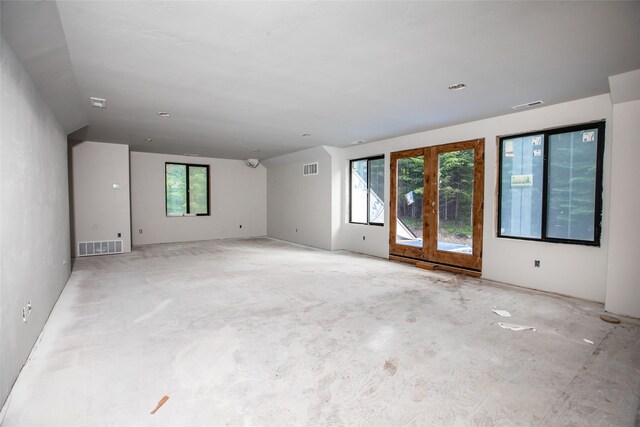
(600, 125)
(188, 195)
(368, 159)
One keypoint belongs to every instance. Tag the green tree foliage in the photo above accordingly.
(176, 181)
(198, 190)
(455, 192)
(411, 187)
(177, 194)
(456, 187)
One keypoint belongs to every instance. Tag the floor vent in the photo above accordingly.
(101, 247)
(310, 169)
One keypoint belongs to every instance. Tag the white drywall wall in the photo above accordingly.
(238, 196)
(100, 211)
(34, 225)
(623, 283)
(567, 269)
(299, 207)
(336, 194)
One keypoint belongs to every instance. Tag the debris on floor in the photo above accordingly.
(160, 403)
(502, 313)
(587, 341)
(515, 327)
(610, 319)
(391, 366)
(420, 391)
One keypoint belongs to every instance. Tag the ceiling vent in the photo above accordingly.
(528, 105)
(98, 102)
(310, 169)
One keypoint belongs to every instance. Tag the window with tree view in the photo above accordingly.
(367, 191)
(187, 189)
(551, 185)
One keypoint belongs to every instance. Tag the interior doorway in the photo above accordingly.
(437, 204)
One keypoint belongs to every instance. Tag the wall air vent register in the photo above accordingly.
(101, 247)
(310, 169)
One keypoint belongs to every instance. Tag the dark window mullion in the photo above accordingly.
(500, 142)
(208, 187)
(351, 190)
(187, 167)
(369, 191)
(597, 231)
(545, 185)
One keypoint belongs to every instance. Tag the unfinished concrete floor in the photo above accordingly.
(261, 332)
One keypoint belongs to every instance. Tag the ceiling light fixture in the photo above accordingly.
(252, 163)
(148, 139)
(528, 105)
(164, 114)
(98, 102)
(306, 134)
(457, 86)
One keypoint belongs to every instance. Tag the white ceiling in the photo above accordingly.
(244, 76)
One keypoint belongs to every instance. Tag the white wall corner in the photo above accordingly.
(101, 198)
(299, 207)
(623, 286)
(625, 87)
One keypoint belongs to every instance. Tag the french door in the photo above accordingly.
(437, 204)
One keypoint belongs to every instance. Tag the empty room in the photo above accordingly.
(332, 213)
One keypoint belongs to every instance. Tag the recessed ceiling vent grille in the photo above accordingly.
(310, 169)
(101, 247)
(98, 102)
(528, 105)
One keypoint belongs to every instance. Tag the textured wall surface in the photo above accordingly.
(100, 211)
(238, 196)
(299, 207)
(34, 227)
(623, 285)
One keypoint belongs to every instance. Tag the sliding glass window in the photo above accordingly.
(551, 185)
(366, 193)
(187, 189)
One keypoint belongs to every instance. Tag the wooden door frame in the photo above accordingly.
(429, 252)
(395, 248)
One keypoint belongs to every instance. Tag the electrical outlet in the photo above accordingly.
(29, 307)
(119, 234)
(140, 231)
(240, 225)
(536, 263)
(364, 238)
(24, 314)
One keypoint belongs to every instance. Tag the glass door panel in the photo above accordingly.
(410, 201)
(455, 202)
(437, 204)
